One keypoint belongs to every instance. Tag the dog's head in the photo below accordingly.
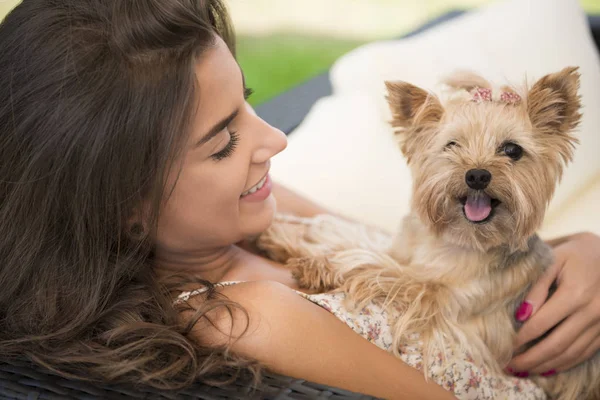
(484, 170)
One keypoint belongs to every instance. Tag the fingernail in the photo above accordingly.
(524, 311)
(549, 373)
(523, 374)
(509, 370)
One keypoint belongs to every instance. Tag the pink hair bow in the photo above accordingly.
(484, 94)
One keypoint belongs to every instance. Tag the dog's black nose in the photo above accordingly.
(478, 179)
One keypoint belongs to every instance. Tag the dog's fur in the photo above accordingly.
(453, 279)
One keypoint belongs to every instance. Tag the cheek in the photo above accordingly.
(438, 185)
(203, 208)
(256, 218)
(524, 189)
(439, 176)
(528, 185)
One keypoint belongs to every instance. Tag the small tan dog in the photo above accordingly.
(485, 165)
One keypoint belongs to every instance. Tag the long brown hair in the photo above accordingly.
(95, 99)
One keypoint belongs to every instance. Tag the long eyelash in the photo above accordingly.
(247, 93)
(228, 150)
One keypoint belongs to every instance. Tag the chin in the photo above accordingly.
(498, 229)
(258, 218)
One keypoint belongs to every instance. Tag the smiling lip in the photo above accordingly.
(259, 192)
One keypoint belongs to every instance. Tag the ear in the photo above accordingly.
(415, 111)
(411, 105)
(137, 224)
(553, 103)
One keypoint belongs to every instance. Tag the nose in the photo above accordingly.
(271, 141)
(478, 179)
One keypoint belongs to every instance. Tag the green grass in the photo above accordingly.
(273, 64)
(276, 63)
(591, 6)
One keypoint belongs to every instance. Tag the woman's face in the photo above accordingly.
(227, 155)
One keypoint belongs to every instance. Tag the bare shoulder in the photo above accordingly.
(259, 311)
(262, 293)
(292, 336)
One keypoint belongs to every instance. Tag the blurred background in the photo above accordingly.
(282, 43)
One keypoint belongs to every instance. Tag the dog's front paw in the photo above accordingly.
(314, 273)
(281, 242)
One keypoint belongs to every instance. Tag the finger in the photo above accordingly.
(552, 346)
(556, 309)
(539, 291)
(590, 352)
(571, 354)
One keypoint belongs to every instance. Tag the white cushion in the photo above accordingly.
(580, 214)
(344, 154)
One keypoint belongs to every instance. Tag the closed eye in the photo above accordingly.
(450, 144)
(234, 137)
(228, 150)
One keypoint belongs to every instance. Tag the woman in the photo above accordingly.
(131, 166)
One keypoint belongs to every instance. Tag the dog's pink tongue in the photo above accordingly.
(478, 207)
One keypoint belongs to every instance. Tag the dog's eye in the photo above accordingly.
(451, 144)
(514, 151)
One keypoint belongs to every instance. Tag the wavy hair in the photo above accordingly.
(95, 99)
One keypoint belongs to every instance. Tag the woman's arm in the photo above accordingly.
(290, 202)
(294, 337)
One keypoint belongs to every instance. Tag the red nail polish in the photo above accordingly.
(549, 373)
(523, 374)
(524, 311)
(509, 370)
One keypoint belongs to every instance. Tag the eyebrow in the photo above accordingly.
(215, 130)
(219, 126)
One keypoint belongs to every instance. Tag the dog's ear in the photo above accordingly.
(553, 103)
(411, 105)
(414, 113)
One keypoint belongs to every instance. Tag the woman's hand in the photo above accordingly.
(574, 309)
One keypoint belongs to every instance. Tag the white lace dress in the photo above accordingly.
(459, 374)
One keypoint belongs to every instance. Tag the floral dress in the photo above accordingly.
(458, 374)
